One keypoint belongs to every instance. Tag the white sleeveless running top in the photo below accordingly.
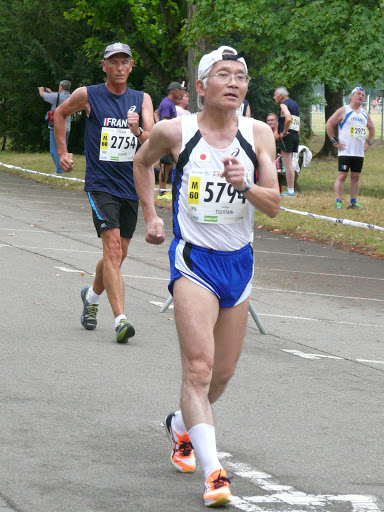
(207, 211)
(352, 132)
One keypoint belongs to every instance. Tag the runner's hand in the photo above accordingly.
(233, 172)
(155, 233)
(133, 121)
(66, 162)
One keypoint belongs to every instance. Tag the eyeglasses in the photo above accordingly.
(358, 89)
(225, 78)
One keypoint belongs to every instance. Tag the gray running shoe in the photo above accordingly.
(88, 318)
(124, 331)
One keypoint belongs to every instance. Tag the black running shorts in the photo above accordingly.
(111, 212)
(290, 143)
(351, 163)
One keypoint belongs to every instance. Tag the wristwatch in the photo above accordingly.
(141, 132)
(334, 141)
(369, 142)
(248, 185)
(285, 133)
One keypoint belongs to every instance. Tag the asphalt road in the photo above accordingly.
(300, 427)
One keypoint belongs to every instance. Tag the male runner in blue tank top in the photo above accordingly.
(289, 128)
(214, 195)
(118, 120)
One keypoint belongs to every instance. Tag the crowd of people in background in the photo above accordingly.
(285, 126)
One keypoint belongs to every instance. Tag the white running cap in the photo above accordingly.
(208, 60)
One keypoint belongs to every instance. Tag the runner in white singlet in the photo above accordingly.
(219, 155)
(353, 142)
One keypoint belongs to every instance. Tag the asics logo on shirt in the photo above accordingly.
(236, 152)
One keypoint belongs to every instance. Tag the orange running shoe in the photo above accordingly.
(217, 491)
(182, 456)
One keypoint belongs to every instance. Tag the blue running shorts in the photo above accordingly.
(228, 275)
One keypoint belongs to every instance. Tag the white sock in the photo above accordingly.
(203, 439)
(178, 423)
(291, 190)
(118, 318)
(92, 297)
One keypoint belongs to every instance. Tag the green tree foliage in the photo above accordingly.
(294, 42)
(150, 27)
(38, 47)
(288, 42)
(298, 43)
(332, 41)
(337, 42)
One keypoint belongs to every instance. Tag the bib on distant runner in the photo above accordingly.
(211, 200)
(117, 145)
(358, 132)
(295, 124)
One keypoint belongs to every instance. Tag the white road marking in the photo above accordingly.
(305, 355)
(369, 361)
(287, 496)
(314, 293)
(149, 277)
(64, 269)
(54, 249)
(317, 273)
(294, 254)
(341, 322)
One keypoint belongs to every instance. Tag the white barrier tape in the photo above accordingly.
(41, 173)
(60, 177)
(346, 222)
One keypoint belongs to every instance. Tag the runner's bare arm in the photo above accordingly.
(288, 117)
(77, 101)
(371, 129)
(335, 119)
(162, 140)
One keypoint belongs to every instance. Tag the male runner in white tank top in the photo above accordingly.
(214, 195)
(353, 122)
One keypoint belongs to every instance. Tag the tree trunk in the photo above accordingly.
(192, 68)
(192, 77)
(307, 132)
(334, 101)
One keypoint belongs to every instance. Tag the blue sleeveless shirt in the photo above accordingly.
(108, 142)
(293, 108)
